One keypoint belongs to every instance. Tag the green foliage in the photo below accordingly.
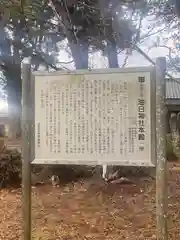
(10, 168)
(15, 9)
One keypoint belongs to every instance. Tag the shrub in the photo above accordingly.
(10, 168)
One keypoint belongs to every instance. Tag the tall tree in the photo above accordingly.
(89, 23)
(20, 37)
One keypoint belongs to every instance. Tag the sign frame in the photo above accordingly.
(150, 69)
(159, 145)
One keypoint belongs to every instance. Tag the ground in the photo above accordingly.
(91, 209)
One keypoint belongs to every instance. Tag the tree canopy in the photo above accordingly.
(35, 29)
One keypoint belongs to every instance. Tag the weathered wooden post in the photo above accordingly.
(26, 156)
(161, 168)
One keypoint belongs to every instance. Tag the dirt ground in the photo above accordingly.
(91, 210)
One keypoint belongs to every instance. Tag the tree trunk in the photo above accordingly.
(79, 50)
(14, 102)
(75, 51)
(84, 55)
(12, 72)
(79, 54)
(112, 54)
(14, 114)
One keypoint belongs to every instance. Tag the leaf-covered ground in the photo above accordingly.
(91, 210)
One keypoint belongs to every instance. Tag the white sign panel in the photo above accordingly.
(93, 118)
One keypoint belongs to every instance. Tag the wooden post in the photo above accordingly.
(26, 156)
(161, 168)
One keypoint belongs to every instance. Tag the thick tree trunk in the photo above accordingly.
(85, 55)
(112, 54)
(80, 55)
(106, 7)
(79, 52)
(13, 87)
(79, 48)
(14, 114)
(13, 77)
(76, 54)
(14, 102)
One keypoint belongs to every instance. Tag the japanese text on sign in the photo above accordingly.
(93, 118)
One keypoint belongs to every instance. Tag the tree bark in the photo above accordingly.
(14, 102)
(79, 53)
(14, 114)
(112, 54)
(85, 54)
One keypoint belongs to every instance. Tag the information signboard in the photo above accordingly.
(95, 117)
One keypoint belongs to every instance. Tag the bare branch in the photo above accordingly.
(170, 56)
(56, 14)
(152, 33)
(125, 61)
(90, 7)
